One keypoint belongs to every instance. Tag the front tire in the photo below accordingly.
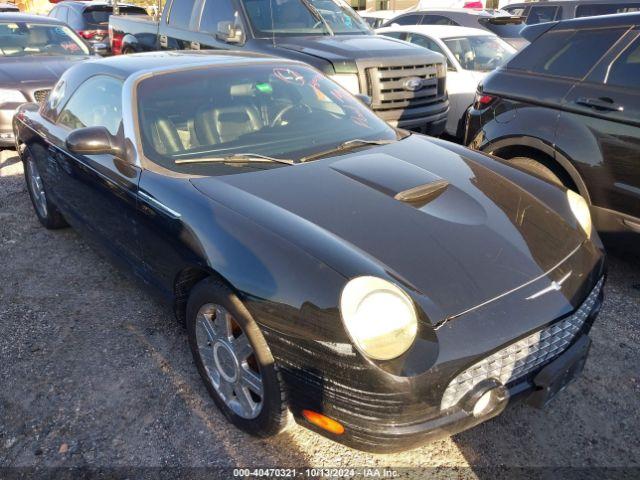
(234, 360)
(46, 211)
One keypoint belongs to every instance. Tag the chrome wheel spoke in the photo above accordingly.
(226, 390)
(247, 404)
(223, 324)
(242, 347)
(251, 380)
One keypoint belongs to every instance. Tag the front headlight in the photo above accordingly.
(347, 80)
(379, 317)
(580, 210)
(11, 96)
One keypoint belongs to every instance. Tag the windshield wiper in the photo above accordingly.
(348, 145)
(237, 158)
(318, 15)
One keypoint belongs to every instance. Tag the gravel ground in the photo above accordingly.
(93, 372)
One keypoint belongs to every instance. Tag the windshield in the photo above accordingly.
(20, 39)
(99, 16)
(302, 17)
(480, 54)
(279, 112)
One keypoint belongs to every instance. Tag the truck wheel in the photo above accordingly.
(46, 211)
(537, 168)
(234, 360)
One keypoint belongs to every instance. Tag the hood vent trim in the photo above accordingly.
(422, 193)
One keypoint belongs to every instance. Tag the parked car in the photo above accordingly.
(91, 19)
(8, 7)
(572, 114)
(385, 287)
(375, 18)
(549, 11)
(471, 53)
(506, 26)
(407, 84)
(34, 52)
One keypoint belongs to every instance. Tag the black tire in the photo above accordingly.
(274, 414)
(537, 168)
(49, 216)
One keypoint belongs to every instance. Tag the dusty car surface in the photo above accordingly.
(34, 52)
(385, 288)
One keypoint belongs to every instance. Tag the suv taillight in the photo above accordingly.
(474, 5)
(482, 101)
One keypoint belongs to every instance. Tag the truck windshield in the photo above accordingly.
(21, 39)
(188, 120)
(302, 17)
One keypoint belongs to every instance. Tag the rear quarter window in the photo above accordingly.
(566, 53)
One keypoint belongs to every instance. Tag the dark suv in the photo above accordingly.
(548, 11)
(91, 19)
(568, 109)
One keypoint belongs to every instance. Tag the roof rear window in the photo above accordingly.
(505, 27)
(566, 53)
(595, 9)
(99, 16)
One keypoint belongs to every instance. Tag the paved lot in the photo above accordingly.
(93, 372)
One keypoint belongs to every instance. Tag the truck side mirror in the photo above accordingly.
(230, 32)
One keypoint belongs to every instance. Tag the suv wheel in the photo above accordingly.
(46, 211)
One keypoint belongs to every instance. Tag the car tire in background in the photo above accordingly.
(46, 211)
(235, 362)
(537, 168)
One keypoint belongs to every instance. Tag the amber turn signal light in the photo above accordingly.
(324, 422)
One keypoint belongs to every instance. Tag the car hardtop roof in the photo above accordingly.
(533, 32)
(124, 66)
(16, 17)
(464, 11)
(439, 31)
(384, 14)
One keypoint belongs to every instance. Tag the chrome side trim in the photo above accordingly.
(149, 199)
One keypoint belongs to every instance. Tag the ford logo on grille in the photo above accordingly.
(413, 84)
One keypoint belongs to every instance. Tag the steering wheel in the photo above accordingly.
(302, 107)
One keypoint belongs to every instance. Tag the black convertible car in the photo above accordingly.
(384, 287)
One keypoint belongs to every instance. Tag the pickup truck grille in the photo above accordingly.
(405, 86)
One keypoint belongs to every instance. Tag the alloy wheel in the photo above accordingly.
(229, 359)
(37, 187)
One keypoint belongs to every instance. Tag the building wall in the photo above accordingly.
(34, 6)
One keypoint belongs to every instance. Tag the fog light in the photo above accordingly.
(487, 397)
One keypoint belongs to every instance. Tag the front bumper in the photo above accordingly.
(386, 423)
(429, 119)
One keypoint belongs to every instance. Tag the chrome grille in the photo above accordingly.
(41, 96)
(524, 356)
(387, 86)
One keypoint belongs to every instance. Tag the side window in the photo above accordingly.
(516, 11)
(625, 71)
(398, 35)
(595, 9)
(426, 42)
(97, 102)
(437, 20)
(216, 11)
(407, 20)
(566, 53)
(541, 14)
(180, 13)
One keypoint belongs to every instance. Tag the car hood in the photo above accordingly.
(343, 49)
(463, 235)
(41, 70)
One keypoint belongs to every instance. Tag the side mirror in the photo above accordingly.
(365, 99)
(230, 32)
(100, 49)
(93, 141)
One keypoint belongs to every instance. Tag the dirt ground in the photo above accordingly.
(93, 372)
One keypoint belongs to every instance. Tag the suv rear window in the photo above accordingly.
(566, 53)
(99, 16)
(591, 10)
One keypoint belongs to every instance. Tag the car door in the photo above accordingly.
(99, 192)
(175, 28)
(603, 111)
(209, 14)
